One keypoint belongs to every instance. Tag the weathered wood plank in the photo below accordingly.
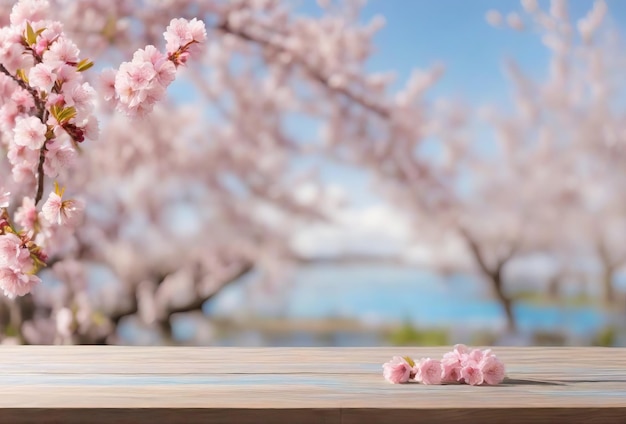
(342, 385)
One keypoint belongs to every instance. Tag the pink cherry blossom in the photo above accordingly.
(181, 32)
(396, 371)
(107, 84)
(59, 155)
(62, 50)
(12, 254)
(82, 97)
(452, 363)
(133, 83)
(475, 355)
(29, 10)
(451, 369)
(164, 68)
(22, 99)
(492, 370)
(15, 283)
(24, 173)
(61, 212)
(26, 215)
(23, 156)
(8, 115)
(5, 198)
(42, 77)
(461, 365)
(30, 132)
(472, 374)
(429, 371)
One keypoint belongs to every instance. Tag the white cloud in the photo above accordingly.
(375, 229)
(379, 229)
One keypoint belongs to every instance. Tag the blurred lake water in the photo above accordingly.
(383, 296)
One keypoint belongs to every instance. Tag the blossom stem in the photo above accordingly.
(42, 113)
(40, 175)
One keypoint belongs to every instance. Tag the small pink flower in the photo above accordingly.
(472, 374)
(31, 10)
(30, 132)
(62, 50)
(12, 254)
(16, 283)
(475, 355)
(107, 84)
(5, 198)
(451, 371)
(488, 352)
(164, 68)
(398, 370)
(61, 212)
(429, 371)
(58, 156)
(181, 32)
(461, 350)
(12, 53)
(452, 363)
(8, 115)
(23, 99)
(26, 215)
(492, 370)
(42, 77)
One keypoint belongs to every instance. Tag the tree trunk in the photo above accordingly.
(607, 285)
(554, 288)
(505, 301)
(494, 274)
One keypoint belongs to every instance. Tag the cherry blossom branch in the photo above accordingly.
(163, 315)
(49, 110)
(314, 73)
(42, 114)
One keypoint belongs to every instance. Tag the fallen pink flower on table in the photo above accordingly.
(461, 365)
(398, 370)
(492, 369)
(429, 371)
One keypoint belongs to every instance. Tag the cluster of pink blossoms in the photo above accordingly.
(461, 365)
(46, 107)
(142, 82)
(46, 110)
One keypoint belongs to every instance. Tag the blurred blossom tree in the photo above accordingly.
(202, 192)
(47, 111)
(575, 116)
(191, 198)
(544, 179)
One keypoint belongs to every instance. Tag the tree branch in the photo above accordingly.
(475, 250)
(314, 73)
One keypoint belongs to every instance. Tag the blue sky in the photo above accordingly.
(421, 32)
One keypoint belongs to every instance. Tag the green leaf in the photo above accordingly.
(54, 110)
(31, 36)
(22, 75)
(66, 114)
(83, 65)
(409, 360)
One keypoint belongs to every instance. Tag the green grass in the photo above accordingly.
(606, 337)
(408, 335)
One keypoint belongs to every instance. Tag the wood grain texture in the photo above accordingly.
(72, 384)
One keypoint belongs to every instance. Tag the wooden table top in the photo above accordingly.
(114, 384)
